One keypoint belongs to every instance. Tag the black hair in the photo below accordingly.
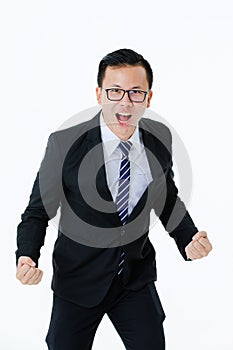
(124, 57)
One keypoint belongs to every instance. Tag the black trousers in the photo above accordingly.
(136, 315)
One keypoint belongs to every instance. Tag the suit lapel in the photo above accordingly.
(97, 166)
(156, 162)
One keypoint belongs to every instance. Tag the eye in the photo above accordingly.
(115, 90)
(137, 92)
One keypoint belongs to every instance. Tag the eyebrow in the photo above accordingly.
(134, 87)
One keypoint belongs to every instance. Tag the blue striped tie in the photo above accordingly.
(123, 190)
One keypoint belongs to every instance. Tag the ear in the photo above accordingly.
(98, 95)
(149, 98)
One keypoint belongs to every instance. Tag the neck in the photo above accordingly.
(125, 135)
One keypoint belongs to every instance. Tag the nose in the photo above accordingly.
(125, 100)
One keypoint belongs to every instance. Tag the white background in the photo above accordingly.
(50, 52)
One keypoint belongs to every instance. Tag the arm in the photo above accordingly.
(43, 204)
(176, 219)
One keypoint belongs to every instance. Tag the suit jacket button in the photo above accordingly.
(122, 232)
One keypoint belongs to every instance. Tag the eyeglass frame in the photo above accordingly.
(128, 91)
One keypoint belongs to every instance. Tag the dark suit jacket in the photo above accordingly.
(72, 177)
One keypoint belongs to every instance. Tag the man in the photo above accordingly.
(106, 175)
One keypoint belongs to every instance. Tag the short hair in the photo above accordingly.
(124, 57)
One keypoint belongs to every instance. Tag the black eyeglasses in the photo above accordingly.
(115, 94)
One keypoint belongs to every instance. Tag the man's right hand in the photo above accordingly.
(26, 272)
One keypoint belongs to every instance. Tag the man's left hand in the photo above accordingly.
(199, 247)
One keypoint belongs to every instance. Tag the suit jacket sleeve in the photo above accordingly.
(174, 215)
(43, 204)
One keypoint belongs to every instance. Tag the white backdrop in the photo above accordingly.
(50, 52)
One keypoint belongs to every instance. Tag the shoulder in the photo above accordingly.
(157, 130)
(70, 132)
(155, 127)
(67, 136)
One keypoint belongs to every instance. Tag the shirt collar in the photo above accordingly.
(112, 141)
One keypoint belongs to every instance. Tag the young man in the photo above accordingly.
(107, 174)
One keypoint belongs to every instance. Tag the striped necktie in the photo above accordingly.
(123, 190)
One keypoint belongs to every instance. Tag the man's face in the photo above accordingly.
(122, 116)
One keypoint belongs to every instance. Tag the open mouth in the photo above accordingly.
(123, 117)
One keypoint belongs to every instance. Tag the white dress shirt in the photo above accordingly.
(140, 174)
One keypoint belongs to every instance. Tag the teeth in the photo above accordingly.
(124, 114)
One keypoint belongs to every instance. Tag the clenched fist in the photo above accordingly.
(26, 272)
(199, 247)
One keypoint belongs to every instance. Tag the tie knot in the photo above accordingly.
(125, 147)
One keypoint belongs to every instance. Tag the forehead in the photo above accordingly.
(126, 77)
